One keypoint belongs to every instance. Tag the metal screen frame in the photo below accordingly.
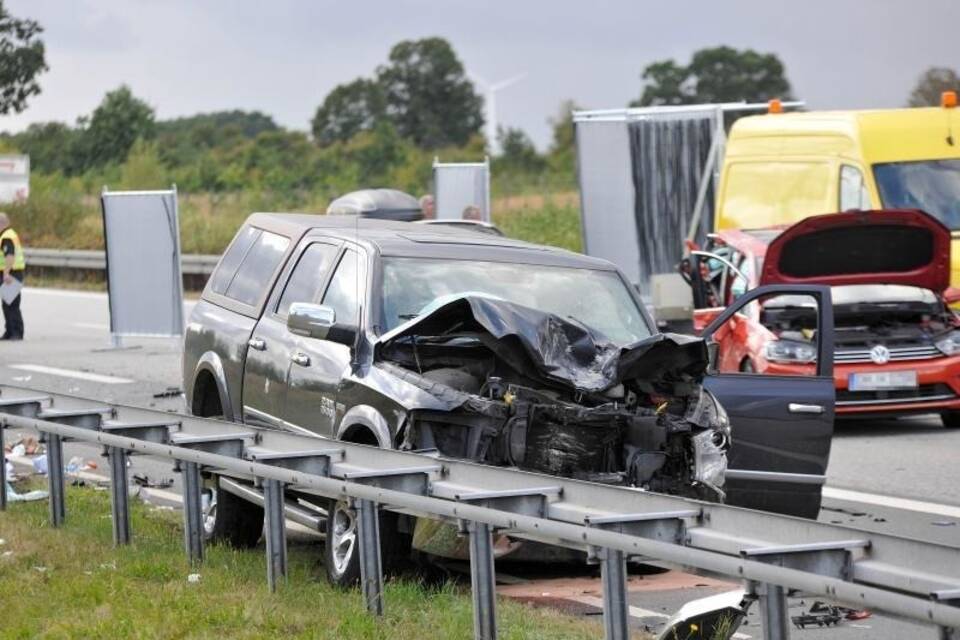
(450, 200)
(131, 313)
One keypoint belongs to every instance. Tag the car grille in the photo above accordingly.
(923, 393)
(914, 352)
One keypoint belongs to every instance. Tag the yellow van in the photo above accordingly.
(782, 167)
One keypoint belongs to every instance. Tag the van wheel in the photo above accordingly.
(342, 549)
(950, 419)
(230, 519)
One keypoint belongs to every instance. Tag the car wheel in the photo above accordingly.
(950, 419)
(230, 519)
(342, 549)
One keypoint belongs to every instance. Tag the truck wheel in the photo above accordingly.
(342, 549)
(230, 519)
(950, 419)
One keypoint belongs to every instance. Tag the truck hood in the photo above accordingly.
(556, 351)
(905, 247)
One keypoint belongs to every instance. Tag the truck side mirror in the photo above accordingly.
(311, 320)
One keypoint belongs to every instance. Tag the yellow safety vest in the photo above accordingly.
(19, 262)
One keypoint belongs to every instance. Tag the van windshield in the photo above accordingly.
(597, 299)
(930, 185)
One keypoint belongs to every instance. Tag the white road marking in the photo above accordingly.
(70, 373)
(35, 291)
(907, 504)
(92, 325)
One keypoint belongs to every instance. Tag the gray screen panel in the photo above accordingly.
(607, 194)
(143, 263)
(457, 186)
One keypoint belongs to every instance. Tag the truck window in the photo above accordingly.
(761, 194)
(343, 294)
(253, 276)
(853, 192)
(308, 276)
(235, 254)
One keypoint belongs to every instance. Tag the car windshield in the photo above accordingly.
(930, 185)
(597, 299)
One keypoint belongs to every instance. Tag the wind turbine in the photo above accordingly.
(490, 90)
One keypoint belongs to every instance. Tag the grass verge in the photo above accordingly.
(72, 583)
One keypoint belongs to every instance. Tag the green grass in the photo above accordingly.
(72, 583)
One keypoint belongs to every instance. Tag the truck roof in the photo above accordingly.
(409, 239)
(877, 135)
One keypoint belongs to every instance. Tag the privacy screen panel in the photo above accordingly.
(143, 263)
(458, 186)
(667, 157)
(606, 194)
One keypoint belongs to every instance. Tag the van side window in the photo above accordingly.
(253, 276)
(853, 191)
(343, 293)
(308, 276)
(235, 254)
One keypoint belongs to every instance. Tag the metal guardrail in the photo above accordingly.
(915, 579)
(191, 265)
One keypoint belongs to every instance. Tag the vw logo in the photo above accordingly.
(880, 354)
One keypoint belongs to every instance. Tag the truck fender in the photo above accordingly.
(210, 362)
(366, 416)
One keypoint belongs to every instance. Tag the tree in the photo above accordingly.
(48, 144)
(720, 74)
(517, 153)
(348, 110)
(560, 156)
(21, 61)
(120, 120)
(930, 86)
(428, 96)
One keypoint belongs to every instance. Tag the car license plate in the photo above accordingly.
(883, 380)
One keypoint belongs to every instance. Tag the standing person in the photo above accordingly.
(428, 207)
(14, 266)
(472, 212)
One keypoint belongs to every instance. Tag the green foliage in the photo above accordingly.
(115, 125)
(22, 59)
(428, 96)
(518, 154)
(141, 590)
(719, 74)
(348, 110)
(49, 145)
(562, 154)
(930, 86)
(143, 169)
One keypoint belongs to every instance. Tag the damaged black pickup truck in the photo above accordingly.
(488, 349)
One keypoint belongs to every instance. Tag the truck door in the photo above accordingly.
(317, 367)
(781, 420)
(271, 344)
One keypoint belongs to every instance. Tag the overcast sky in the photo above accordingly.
(283, 56)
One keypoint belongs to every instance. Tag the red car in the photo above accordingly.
(897, 342)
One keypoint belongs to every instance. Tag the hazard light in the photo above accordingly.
(775, 106)
(948, 99)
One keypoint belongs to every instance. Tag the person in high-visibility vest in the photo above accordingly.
(14, 267)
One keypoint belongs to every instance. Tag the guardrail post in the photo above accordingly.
(773, 612)
(58, 510)
(948, 633)
(371, 567)
(276, 533)
(3, 469)
(613, 573)
(119, 495)
(192, 512)
(483, 581)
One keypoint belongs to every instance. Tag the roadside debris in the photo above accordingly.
(144, 481)
(30, 496)
(825, 615)
(169, 392)
(26, 446)
(193, 578)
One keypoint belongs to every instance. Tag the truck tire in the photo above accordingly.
(230, 519)
(342, 550)
(950, 419)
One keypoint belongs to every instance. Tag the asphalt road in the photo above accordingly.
(898, 477)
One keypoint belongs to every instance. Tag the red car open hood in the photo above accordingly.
(862, 247)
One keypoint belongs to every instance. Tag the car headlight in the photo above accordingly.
(791, 351)
(949, 344)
